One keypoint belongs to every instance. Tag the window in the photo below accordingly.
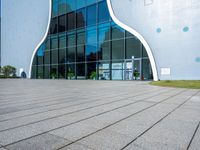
(62, 23)
(62, 57)
(91, 36)
(71, 21)
(81, 37)
(91, 71)
(117, 32)
(104, 51)
(55, 8)
(47, 44)
(71, 40)
(80, 54)
(62, 7)
(61, 71)
(54, 42)
(71, 5)
(54, 26)
(62, 41)
(118, 49)
(91, 15)
(46, 72)
(71, 54)
(80, 4)
(54, 72)
(40, 72)
(54, 57)
(103, 14)
(47, 57)
(89, 2)
(81, 18)
(104, 33)
(80, 71)
(133, 48)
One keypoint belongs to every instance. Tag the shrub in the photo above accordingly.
(8, 71)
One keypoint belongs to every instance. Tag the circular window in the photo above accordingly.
(185, 29)
(158, 30)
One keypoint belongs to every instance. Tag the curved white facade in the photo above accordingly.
(168, 29)
(23, 27)
(171, 29)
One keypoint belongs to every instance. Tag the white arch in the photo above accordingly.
(139, 36)
(43, 39)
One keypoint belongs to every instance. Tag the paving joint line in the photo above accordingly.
(158, 121)
(82, 120)
(73, 113)
(121, 119)
(195, 132)
(70, 106)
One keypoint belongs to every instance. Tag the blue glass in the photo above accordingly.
(103, 12)
(81, 18)
(40, 51)
(62, 6)
(89, 2)
(80, 4)
(104, 33)
(91, 15)
(55, 8)
(91, 35)
(71, 5)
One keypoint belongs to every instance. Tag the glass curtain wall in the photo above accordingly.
(84, 43)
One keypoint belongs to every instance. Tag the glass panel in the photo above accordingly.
(104, 72)
(104, 33)
(80, 71)
(62, 23)
(62, 41)
(40, 72)
(71, 5)
(91, 52)
(144, 52)
(54, 26)
(91, 71)
(80, 4)
(147, 72)
(54, 57)
(62, 57)
(117, 32)
(47, 57)
(80, 53)
(62, 7)
(91, 36)
(46, 72)
(54, 72)
(71, 54)
(128, 34)
(34, 72)
(80, 37)
(71, 71)
(103, 12)
(133, 48)
(104, 51)
(40, 55)
(61, 71)
(118, 49)
(55, 8)
(47, 44)
(35, 60)
(81, 18)
(54, 42)
(71, 21)
(117, 70)
(89, 2)
(71, 40)
(91, 15)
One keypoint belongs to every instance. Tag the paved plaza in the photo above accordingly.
(97, 115)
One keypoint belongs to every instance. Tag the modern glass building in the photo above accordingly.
(84, 43)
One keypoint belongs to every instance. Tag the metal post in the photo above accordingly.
(133, 69)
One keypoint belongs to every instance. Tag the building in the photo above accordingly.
(102, 39)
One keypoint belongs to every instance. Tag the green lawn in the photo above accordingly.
(193, 84)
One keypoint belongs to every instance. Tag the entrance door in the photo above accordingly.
(132, 69)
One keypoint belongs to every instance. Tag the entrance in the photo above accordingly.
(133, 69)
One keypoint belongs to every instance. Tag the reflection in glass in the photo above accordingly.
(118, 49)
(71, 5)
(62, 23)
(62, 7)
(103, 12)
(133, 48)
(91, 15)
(71, 21)
(81, 18)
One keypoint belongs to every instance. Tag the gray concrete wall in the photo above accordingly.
(172, 47)
(24, 23)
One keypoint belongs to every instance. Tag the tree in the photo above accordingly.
(8, 71)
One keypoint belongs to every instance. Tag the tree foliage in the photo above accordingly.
(8, 71)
